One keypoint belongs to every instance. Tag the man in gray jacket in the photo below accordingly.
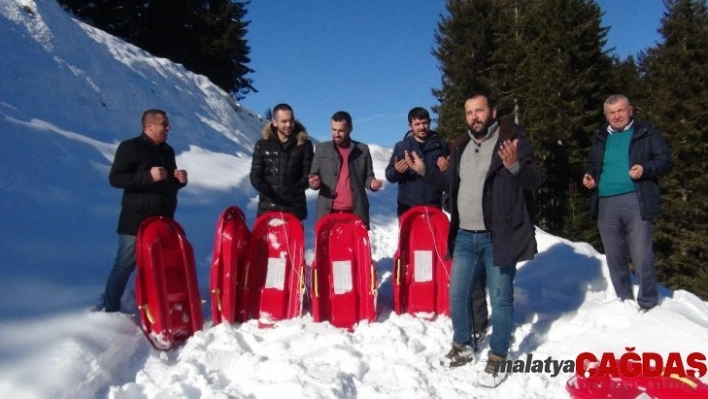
(342, 170)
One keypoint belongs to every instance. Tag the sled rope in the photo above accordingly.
(435, 244)
(300, 275)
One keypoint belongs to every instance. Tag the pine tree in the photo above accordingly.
(206, 36)
(676, 78)
(467, 41)
(563, 79)
(225, 49)
(626, 80)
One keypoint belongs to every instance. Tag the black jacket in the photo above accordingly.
(647, 149)
(142, 197)
(279, 171)
(412, 190)
(507, 200)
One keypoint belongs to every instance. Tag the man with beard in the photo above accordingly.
(342, 170)
(490, 179)
(281, 164)
(412, 190)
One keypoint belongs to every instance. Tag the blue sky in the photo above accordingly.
(373, 58)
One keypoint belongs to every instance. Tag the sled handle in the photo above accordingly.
(148, 314)
(217, 292)
(314, 281)
(398, 271)
(684, 380)
(373, 280)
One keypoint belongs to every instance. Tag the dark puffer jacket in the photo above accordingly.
(647, 149)
(412, 190)
(142, 197)
(279, 171)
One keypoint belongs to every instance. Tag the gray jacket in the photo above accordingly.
(327, 163)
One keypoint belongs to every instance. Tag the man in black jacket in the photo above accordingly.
(281, 163)
(626, 159)
(145, 168)
(491, 178)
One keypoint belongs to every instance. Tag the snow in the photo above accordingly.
(70, 93)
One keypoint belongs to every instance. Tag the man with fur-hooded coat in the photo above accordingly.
(281, 164)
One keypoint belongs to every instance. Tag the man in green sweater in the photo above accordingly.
(626, 159)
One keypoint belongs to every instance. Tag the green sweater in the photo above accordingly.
(614, 178)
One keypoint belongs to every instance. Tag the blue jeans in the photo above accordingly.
(118, 279)
(473, 253)
(621, 228)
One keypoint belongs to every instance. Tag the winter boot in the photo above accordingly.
(494, 373)
(459, 355)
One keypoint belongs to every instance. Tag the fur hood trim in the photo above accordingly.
(299, 132)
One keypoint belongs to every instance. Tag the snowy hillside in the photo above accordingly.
(70, 93)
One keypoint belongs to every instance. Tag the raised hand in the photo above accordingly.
(589, 182)
(414, 162)
(401, 166)
(508, 152)
(376, 184)
(314, 181)
(158, 173)
(181, 175)
(636, 172)
(443, 163)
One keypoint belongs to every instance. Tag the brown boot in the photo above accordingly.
(458, 355)
(495, 372)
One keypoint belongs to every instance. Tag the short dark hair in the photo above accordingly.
(282, 107)
(491, 102)
(419, 113)
(343, 116)
(150, 113)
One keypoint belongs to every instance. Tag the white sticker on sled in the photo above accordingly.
(275, 277)
(342, 276)
(423, 266)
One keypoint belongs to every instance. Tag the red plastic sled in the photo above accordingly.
(166, 288)
(640, 387)
(228, 265)
(343, 275)
(421, 275)
(274, 280)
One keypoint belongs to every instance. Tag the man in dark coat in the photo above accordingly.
(431, 148)
(145, 168)
(281, 164)
(491, 178)
(626, 159)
